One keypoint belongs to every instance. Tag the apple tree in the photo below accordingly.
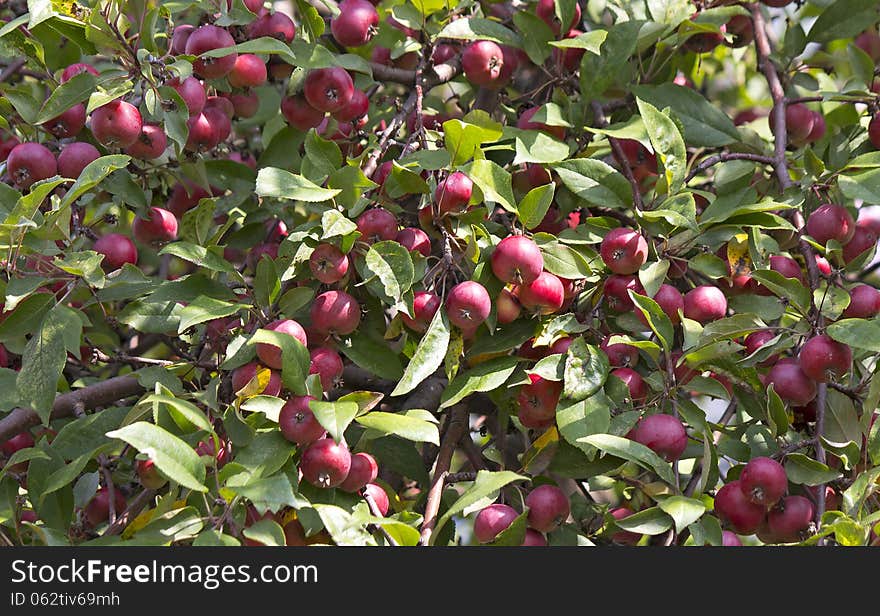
(411, 272)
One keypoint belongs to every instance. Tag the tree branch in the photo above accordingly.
(454, 431)
(724, 157)
(619, 155)
(131, 512)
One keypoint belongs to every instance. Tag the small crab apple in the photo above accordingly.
(364, 469)
(729, 539)
(537, 402)
(863, 240)
(30, 162)
(534, 539)
(379, 496)
(742, 29)
(97, 511)
(616, 292)
(570, 57)
(831, 221)
(249, 71)
(269, 353)
(327, 364)
(193, 93)
(243, 375)
(336, 313)
(799, 121)
(356, 23)
(703, 42)
(328, 89)
(412, 239)
(623, 537)
(116, 124)
(734, 507)
(425, 306)
(546, 10)
(864, 302)
(670, 301)
(638, 390)
(202, 136)
(117, 249)
(620, 355)
(642, 161)
(507, 307)
(790, 382)
(664, 434)
(482, 62)
(525, 122)
(328, 264)
(208, 38)
(791, 519)
(548, 508)
(377, 224)
(823, 358)
(68, 123)
(358, 107)
(517, 260)
(22, 440)
(325, 463)
(75, 157)
(624, 250)
(491, 521)
(299, 114)
(705, 303)
(453, 193)
(787, 266)
(159, 227)
(149, 475)
(544, 295)
(298, 423)
(468, 304)
(756, 340)
(763, 481)
(220, 124)
(150, 144)
(75, 69)
(874, 131)
(275, 25)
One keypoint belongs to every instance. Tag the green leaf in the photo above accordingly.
(265, 493)
(632, 451)
(586, 368)
(485, 484)
(342, 526)
(372, 356)
(335, 224)
(267, 283)
(533, 207)
(281, 184)
(857, 333)
(494, 181)
(335, 417)
(187, 411)
(388, 271)
(75, 90)
(405, 426)
(684, 511)
(583, 418)
(66, 475)
(562, 259)
(322, 158)
(204, 309)
(475, 29)
(486, 376)
(535, 36)
(294, 358)
(789, 288)
(590, 41)
(651, 521)
(172, 456)
(807, 471)
(657, 319)
(267, 532)
(844, 18)
(667, 143)
(533, 146)
(704, 124)
(462, 138)
(595, 181)
(428, 357)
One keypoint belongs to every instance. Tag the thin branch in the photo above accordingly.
(706, 163)
(131, 512)
(454, 431)
(619, 155)
(12, 68)
(374, 509)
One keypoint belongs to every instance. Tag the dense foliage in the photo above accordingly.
(563, 272)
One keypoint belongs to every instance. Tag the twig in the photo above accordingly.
(619, 155)
(131, 512)
(725, 418)
(724, 157)
(374, 509)
(454, 431)
(12, 68)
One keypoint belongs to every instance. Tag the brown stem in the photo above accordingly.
(131, 512)
(724, 157)
(619, 155)
(374, 509)
(12, 68)
(454, 431)
(728, 414)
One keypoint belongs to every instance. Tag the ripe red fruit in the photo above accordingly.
(326, 463)
(443, 53)
(517, 260)
(148, 475)
(638, 390)
(270, 354)
(642, 161)
(412, 239)
(819, 128)
(97, 510)
(537, 402)
(663, 434)
(548, 508)
(209, 448)
(824, 359)
(790, 382)
(364, 470)
(425, 305)
(327, 364)
(208, 38)
(864, 302)
(75, 69)
(160, 227)
(670, 301)
(623, 537)
(453, 193)
(616, 292)
(298, 423)
(379, 497)
(222, 103)
(619, 354)
(492, 521)
(534, 539)
(569, 57)
(377, 224)
(624, 250)
(874, 131)
(864, 239)
(468, 304)
(328, 264)
(299, 114)
(733, 507)
(357, 107)
(704, 304)
(703, 42)
(335, 312)
(791, 519)
(117, 124)
(546, 10)
(192, 91)
(763, 481)
(356, 23)
(245, 374)
(729, 539)
(202, 135)
(117, 249)
(276, 25)
(777, 3)
(150, 144)
(544, 295)
(179, 37)
(248, 71)
(787, 266)
(68, 123)
(742, 29)
(23, 440)
(831, 222)
(184, 197)
(798, 122)
(756, 340)
(75, 157)
(245, 104)
(525, 123)
(30, 162)
(482, 62)
(507, 307)
(7, 145)
(328, 89)
(869, 42)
